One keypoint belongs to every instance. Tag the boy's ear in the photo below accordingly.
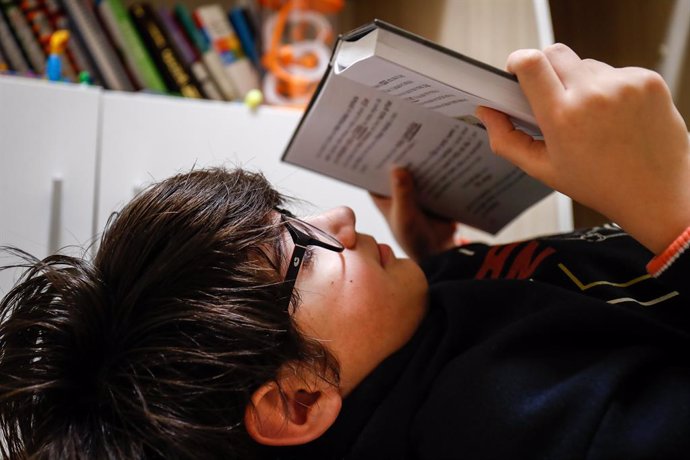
(292, 411)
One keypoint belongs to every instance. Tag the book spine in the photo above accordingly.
(115, 15)
(86, 25)
(106, 20)
(76, 49)
(13, 54)
(176, 77)
(105, 30)
(212, 20)
(239, 19)
(25, 37)
(208, 56)
(190, 59)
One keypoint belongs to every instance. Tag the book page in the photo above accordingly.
(427, 93)
(357, 133)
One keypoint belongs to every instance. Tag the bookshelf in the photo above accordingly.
(106, 145)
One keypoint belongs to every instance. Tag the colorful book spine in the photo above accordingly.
(215, 24)
(177, 79)
(239, 18)
(85, 23)
(188, 55)
(117, 20)
(15, 60)
(208, 56)
(25, 37)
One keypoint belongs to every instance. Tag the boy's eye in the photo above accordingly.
(307, 259)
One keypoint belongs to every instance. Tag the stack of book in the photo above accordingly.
(198, 53)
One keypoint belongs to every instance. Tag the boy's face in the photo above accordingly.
(363, 304)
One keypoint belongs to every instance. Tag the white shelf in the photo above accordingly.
(48, 156)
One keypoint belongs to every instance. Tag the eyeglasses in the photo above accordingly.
(303, 236)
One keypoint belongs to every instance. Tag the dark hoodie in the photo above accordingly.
(557, 348)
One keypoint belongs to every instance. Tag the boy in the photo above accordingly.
(213, 322)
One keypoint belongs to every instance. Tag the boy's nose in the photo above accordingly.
(338, 222)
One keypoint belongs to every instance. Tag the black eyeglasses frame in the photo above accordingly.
(302, 240)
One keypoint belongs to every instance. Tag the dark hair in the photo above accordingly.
(153, 349)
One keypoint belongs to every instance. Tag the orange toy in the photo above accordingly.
(295, 68)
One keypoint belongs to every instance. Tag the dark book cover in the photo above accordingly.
(189, 57)
(176, 77)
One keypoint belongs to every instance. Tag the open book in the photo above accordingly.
(392, 98)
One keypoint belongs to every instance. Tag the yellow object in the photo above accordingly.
(253, 98)
(58, 41)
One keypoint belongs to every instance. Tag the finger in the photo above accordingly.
(567, 64)
(514, 145)
(597, 66)
(645, 79)
(538, 80)
(404, 204)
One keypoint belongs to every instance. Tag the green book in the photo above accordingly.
(117, 19)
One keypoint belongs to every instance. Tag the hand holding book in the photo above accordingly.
(391, 98)
(418, 232)
(613, 140)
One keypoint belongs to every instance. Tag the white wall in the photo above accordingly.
(48, 143)
(147, 138)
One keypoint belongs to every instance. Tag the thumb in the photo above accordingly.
(519, 148)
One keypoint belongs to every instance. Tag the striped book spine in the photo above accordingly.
(106, 59)
(118, 21)
(13, 54)
(177, 79)
(27, 41)
(190, 59)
